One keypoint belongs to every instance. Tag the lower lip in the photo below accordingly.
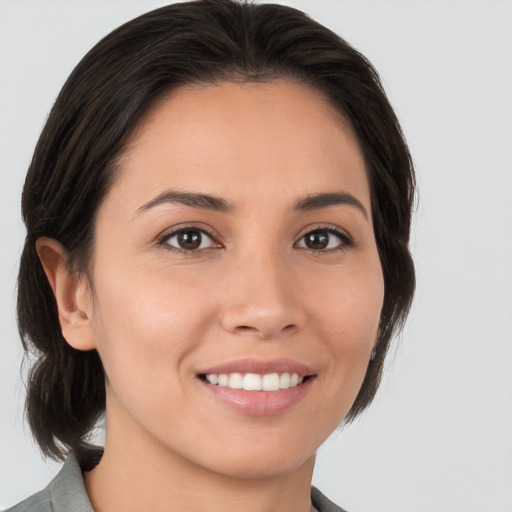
(260, 403)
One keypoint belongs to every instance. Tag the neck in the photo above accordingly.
(138, 473)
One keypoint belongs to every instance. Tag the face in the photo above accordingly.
(236, 251)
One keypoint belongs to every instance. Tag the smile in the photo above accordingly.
(254, 381)
(258, 387)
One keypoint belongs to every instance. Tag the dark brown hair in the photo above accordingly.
(101, 103)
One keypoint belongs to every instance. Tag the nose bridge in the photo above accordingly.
(261, 299)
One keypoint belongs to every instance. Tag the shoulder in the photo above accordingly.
(322, 503)
(39, 502)
(64, 493)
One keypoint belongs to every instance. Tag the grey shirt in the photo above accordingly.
(66, 493)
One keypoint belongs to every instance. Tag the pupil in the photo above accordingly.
(189, 240)
(317, 240)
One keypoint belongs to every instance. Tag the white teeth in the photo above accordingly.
(270, 382)
(284, 381)
(255, 381)
(235, 381)
(252, 382)
(213, 378)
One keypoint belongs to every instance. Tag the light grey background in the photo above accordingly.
(439, 436)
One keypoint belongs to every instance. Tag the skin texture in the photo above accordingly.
(157, 315)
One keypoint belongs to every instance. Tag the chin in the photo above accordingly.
(263, 467)
(258, 458)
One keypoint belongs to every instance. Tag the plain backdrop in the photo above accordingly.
(439, 436)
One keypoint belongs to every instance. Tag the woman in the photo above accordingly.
(218, 214)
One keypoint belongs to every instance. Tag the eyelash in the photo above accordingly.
(163, 240)
(344, 238)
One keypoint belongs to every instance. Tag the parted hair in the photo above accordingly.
(99, 106)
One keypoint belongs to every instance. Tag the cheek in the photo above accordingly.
(146, 318)
(348, 305)
(346, 311)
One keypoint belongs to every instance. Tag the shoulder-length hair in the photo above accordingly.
(104, 99)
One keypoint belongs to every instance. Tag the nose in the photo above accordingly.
(261, 299)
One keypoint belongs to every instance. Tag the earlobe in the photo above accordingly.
(71, 294)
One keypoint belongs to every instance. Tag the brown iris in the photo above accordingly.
(189, 240)
(317, 240)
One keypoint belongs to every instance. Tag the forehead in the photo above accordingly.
(243, 141)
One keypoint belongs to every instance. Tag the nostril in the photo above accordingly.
(289, 329)
(250, 329)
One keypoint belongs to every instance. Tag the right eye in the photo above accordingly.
(189, 240)
(325, 240)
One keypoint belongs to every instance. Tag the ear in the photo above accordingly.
(72, 295)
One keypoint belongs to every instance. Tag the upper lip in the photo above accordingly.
(260, 366)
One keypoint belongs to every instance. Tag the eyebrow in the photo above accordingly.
(192, 199)
(323, 200)
(213, 203)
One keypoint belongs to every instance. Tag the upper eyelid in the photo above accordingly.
(172, 231)
(345, 239)
(325, 227)
(168, 233)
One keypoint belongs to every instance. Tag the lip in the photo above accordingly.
(259, 403)
(251, 365)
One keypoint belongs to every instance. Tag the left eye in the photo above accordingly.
(322, 240)
(190, 240)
